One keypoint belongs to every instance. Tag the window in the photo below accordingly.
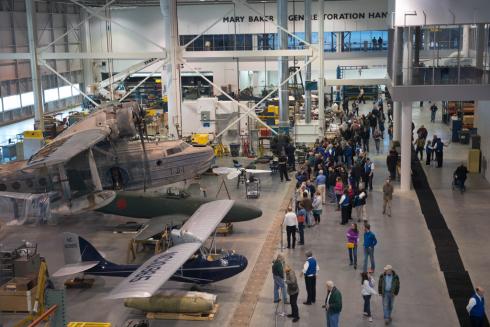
(3, 187)
(75, 91)
(27, 99)
(42, 181)
(51, 95)
(11, 102)
(65, 92)
(16, 185)
(172, 151)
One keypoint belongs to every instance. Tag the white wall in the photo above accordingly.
(193, 19)
(439, 11)
(481, 121)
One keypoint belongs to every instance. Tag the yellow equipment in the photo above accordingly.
(220, 150)
(36, 134)
(200, 139)
(39, 304)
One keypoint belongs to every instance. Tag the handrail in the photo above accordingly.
(42, 317)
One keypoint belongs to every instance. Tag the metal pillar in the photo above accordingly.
(465, 42)
(283, 71)
(321, 69)
(407, 56)
(173, 83)
(481, 36)
(339, 41)
(397, 117)
(308, 67)
(406, 145)
(36, 81)
(88, 74)
(397, 60)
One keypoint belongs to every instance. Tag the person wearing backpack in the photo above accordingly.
(370, 242)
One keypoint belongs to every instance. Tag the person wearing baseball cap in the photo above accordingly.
(388, 288)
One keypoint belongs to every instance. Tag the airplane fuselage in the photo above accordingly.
(121, 166)
(196, 270)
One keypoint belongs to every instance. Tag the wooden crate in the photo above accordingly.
(17, 301)
(184, 316)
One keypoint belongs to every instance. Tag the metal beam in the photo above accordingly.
(248, 54)
(201, 55)
(321, 69)
(45, 64)
(283, 65)
(33, 56)
(308, 68)
(129, 29)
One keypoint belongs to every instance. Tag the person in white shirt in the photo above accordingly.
(367, 290)
(310, 270)
(291, 223)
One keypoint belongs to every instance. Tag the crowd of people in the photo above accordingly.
(340, 172)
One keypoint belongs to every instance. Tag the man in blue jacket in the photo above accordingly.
(370, 242)
(476, 308)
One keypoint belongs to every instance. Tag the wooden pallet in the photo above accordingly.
(184, 316)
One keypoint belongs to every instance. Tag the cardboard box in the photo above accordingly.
(17, 301)
(19, 284)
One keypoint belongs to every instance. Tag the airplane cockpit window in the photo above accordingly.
(42, 181)
(16, 185)
(3, 187)
(173, 150)
(184, 146)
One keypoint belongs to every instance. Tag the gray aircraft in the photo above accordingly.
(86, 166)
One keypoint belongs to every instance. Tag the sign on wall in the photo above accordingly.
(339, 16)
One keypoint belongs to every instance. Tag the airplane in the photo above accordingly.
(186, 261)
(87, 163)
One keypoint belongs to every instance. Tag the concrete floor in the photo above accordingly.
(404, 242)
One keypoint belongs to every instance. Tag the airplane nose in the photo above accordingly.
(242, 212)
(243, 263)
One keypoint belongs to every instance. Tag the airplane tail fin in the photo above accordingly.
(79, 255)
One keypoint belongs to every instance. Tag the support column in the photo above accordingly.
(397, 118)
(406, 146)
(481, 36)
(173, 83)
(36, 81)
(308, 67)
(321, 69)
(397, 60)
(88, 72)
(283, 70)
(465, 43)
(339, 41)
(407, 56)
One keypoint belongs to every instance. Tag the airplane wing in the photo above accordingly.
(223, 170)
(75, 268)
(156, 225)
(205, 220)
(258, 171)
(148, 278)
(65, 148)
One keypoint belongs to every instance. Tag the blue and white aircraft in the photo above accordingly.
(183, 262)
